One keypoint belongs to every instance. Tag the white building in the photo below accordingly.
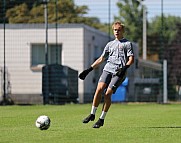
(78, 46)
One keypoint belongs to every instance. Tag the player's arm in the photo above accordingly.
(121, 72)
(129, 49)
(99, 61)
(83, 74)
(130, 60)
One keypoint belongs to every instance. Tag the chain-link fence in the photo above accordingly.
(70, 35)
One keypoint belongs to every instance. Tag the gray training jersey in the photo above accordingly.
(117, 53)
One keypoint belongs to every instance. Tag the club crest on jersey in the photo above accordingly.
(121, 46)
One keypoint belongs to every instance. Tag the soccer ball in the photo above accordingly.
(43, 122)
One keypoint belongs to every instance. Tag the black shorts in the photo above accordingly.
(111, 80)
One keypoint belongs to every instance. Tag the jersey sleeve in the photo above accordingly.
(129, 48)
(105, 52)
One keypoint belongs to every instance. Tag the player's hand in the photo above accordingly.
(122, 71)
(83, 74)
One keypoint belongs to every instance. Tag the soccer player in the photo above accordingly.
(119, 55)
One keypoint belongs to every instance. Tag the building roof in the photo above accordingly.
(51, 26)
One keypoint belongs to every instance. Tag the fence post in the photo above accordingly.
(165, 81)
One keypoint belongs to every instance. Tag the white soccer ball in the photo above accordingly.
(43, 122)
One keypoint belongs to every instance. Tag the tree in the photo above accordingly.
(131, 14)
(161, 38)
(165, 42)
(7, 4)
(67, 12)
(18, 14)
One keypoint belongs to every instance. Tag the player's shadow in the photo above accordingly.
(165, 127)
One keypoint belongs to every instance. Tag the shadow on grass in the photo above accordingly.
(166, 127)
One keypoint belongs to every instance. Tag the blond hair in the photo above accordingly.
(118, 23)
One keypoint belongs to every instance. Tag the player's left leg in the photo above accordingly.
(102, 85)
(106, 106)
(114, 84)
(97, 98)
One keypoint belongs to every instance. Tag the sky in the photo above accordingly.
(100, 8)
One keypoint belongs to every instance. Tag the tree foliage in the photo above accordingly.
(168, 30)
(131, 14)
(164, 40)
(162, 34)
(8, 4)
(60, 11)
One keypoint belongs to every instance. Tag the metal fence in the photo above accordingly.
(153, 49)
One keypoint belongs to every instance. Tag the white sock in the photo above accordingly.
(93, 110)
(103, 115)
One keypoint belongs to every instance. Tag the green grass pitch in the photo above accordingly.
(125, 123)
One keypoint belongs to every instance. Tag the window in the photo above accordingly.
(38, 54)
